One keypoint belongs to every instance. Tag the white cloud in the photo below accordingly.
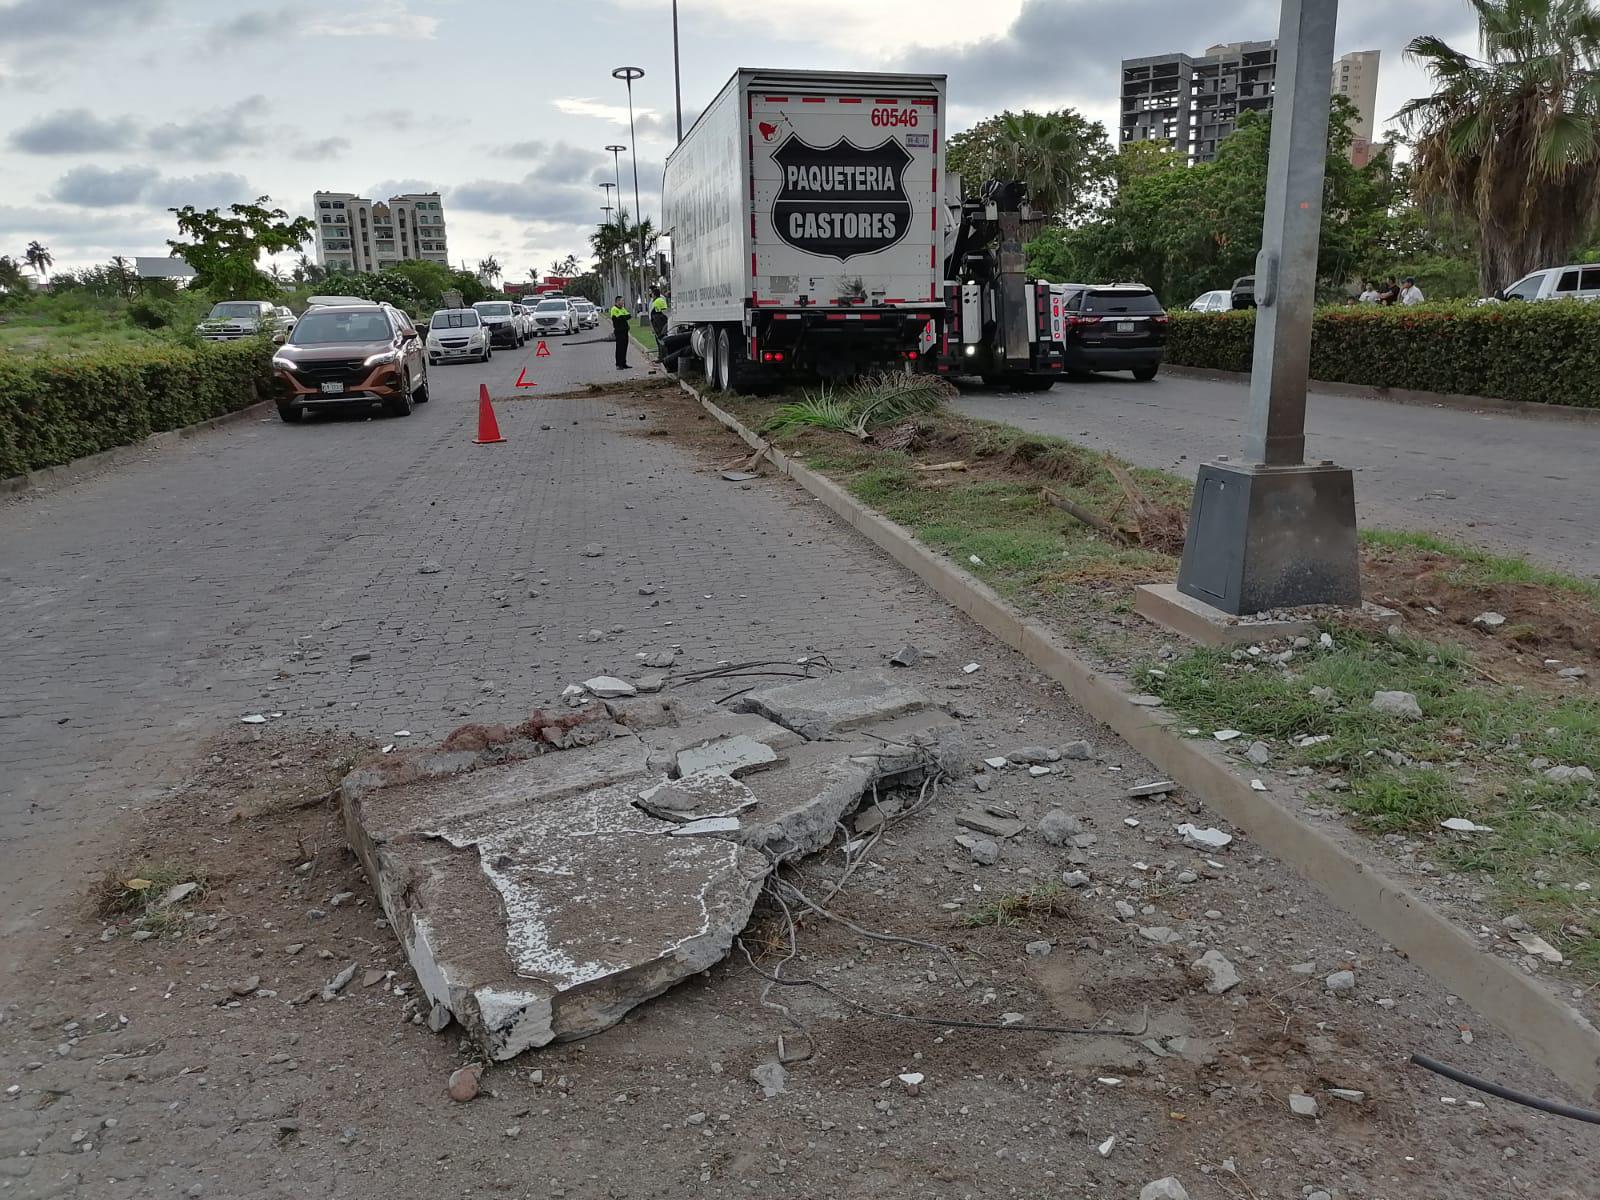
(582, 106)
(98, 187)
(74, 131)
(882, 29)
(386, 21)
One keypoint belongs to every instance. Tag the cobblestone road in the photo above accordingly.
(242, 571)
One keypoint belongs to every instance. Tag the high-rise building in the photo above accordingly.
(1355, 77)
(361, 235)
(1192, 103)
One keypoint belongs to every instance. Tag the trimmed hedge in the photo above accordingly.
(55, 408)
(1547, 352)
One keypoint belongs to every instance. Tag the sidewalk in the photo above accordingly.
(178, 600)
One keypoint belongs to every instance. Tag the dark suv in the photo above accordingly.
(1114, 327)
(351, 354)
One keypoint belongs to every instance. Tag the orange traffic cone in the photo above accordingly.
(488, 427)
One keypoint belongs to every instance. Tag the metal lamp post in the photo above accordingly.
(677, 74)
(628, 75)
(1275, 531)
(611, 281)
(616, 166)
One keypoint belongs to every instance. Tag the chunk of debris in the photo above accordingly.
(429, 567)
(1303, 1105)
(1075, 879)
(253, 719)
(1259, 753)
(1490, 620)
(1203, 839)
(1578, 774)
(706, 827)
(1146, 701)
(1396, 704)
(1227, 735)
(996, 764)
(1163, 1189)
(1341, 981)
(829, 704)
(970, 669)
(736, 755)
(912, 1081)
(983, 850)
(592, 550)
(1219, 974)
(1160, 787)
(463, 1085)
(1039, 949)
(609, 687)
(660, 659)
(1058, 827)
(1078, 750)
(176, 893)
(334, 986)
(1033, 756)
(649, 683)
(1161, 935)
(1348, 1095)
(982, 820)
(1462, 825)
(1537, 946)
(907, 656)
(772, 1078)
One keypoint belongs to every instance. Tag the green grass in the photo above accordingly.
(1480, 567)
(644, 335)
(1471, 755)
(1042, 900)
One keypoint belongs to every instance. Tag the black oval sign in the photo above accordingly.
(842, 200)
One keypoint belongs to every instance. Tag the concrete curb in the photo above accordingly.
(1549, 1029)
(47, 478)
(1452, 400)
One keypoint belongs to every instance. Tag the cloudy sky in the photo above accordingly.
(112, 110)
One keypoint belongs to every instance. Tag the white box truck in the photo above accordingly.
(803, 210)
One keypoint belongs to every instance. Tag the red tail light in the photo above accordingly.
(1074, 320)
(913, 354)
(1160, 319)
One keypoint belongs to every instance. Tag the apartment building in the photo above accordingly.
(1192, 103)
(360, 235)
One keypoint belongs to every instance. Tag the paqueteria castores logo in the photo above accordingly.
(842, 200)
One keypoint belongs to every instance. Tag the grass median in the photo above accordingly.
(1500, 654)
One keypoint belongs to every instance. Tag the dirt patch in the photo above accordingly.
(1540, 622)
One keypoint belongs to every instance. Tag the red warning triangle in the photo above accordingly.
(542, 352)
(523, 381)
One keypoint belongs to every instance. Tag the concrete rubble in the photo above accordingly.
(545, 878)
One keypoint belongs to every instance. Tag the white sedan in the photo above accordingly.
(1217, 301)
(458, 335)
(555, 315)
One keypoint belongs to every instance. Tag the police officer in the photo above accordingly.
(619, 330)
(658, 316)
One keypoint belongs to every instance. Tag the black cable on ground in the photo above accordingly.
(1494, 1089)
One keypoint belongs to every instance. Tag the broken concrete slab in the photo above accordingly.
(983, 821)
(667, 740)
(537, 916)
(737, 755)
(695, 796)
(831, 704)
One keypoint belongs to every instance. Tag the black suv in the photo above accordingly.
(351, 354)
(1114, 327)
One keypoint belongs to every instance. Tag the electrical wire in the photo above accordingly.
(1555, 1107)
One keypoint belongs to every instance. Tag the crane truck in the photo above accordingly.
(803, 210)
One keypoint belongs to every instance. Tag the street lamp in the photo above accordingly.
(628, 75)
(616, 166)
(611, 282)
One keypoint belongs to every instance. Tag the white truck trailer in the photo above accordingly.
(807, 235)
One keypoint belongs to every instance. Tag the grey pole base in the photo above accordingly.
(1271, 537)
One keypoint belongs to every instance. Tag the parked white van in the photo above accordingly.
(1580, 282)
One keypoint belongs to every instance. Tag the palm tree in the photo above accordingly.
(39, 258)
(533, 275)
(489, 267)
(1510, 142)
(306, 271)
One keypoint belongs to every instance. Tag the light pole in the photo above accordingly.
(611, 280)
(1274, 531)
(677, 74)
(616, 166)
(628, 75)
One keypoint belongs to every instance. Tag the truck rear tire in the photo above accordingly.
(724, 379)
(708, 365)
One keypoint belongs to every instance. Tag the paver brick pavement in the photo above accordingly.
(245, 570)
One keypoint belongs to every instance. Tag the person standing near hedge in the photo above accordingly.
(1390, 292)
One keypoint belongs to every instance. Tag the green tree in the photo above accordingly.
(39, 258)
(489, 267)
(225, 248)
(1511, 141)
(12, 280)
(617, 245)
(1062, 156)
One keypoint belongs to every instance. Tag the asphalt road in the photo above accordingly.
(1520, 485)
